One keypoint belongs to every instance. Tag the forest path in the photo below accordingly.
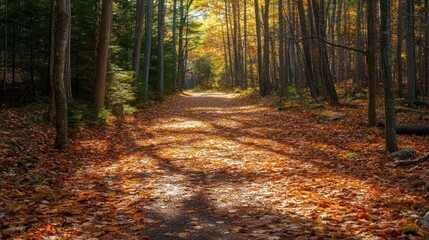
(215, 166)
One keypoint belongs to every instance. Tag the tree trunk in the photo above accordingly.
(138, 35)
(266, 66)
(62, 26)
(400, 32)
(410, 48)
(359, 58)
(282, 58)
(240, 49)
(371, 61)
(51, 111)
(409, 129)
(389, 93)
(160, 82)
(185, 48)
(426, 50)
(97, 36)
(103, 56)
(339, 63)
(231, 70)
(244, 57)
(180, 69)
(5, 51)
(67, 69)
(236, 42)
(332, 37)
(147, 50)
(259, 43)
(327, 77)
(174, 43)
(307, 50)
(291, 44)
(225, 56)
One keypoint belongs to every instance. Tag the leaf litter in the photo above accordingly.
(211, 166)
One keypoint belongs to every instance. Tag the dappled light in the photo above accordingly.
(212, 166)
(199, 119)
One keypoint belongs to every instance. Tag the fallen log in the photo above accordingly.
(409, 129)
(401, 163)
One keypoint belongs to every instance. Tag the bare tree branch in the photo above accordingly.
(333, 44)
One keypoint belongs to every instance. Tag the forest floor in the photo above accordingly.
(213, 166)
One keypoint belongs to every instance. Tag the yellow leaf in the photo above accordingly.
(183, 235)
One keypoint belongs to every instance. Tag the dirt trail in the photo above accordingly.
(212, 166)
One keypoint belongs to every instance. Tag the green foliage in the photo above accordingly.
(410, 230)
(368, 132)
(120, 91)
(290, 92)
(79, 112)
(32, 160)
(203, 68)
(201, 89)
(128, 109)
(104, 115)
(249, 93)
(322, 117)
(351, 155)
(314, 106)
(37, 111)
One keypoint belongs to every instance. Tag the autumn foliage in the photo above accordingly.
(212, 166)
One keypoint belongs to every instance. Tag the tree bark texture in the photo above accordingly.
(174, 43)
(400, 32)
(62, 26)
(389, 93)
(307, 50)
(160, 80)
(138, 35)
(99, 97)
(259, 43)
(266, 65)
(328, 80)
(147, 49)
(371, 61)
(282, 55)
(411, 52)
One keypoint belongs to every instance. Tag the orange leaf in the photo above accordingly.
(361, 215)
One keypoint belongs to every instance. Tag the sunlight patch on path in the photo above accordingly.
(207, 159)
